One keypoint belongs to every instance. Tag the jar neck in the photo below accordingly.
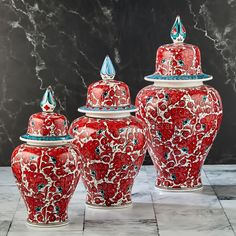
(178, 84)
(46, 144)
(104, 115)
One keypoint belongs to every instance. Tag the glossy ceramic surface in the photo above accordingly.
(178, 61)
(108, 95)
(47, 125)
(182, 115)
(47, 168)
(112, 153)
(47, 178)
(182, 125)
(111, 141)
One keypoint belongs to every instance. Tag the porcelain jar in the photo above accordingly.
(47, 166)
(111, 141)
(182, 114)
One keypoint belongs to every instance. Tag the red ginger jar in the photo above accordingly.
(182, 114)
(47, 167)
(111, 142)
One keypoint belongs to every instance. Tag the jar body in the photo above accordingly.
(182, 124)
(112, 152)
(47, 178)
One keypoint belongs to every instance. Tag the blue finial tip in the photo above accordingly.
(48, 102)
(178, 32)
(107, 70)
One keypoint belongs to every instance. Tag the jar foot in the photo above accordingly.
(109, 207)
(183, 189)
(49, 225)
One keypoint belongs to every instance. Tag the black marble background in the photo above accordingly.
(63, 44)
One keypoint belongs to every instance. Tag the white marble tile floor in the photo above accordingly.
(210, 212)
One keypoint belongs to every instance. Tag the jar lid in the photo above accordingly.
(108, 95)
(178, 61)
(47, 126)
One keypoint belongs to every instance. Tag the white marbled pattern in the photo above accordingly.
(210, 212)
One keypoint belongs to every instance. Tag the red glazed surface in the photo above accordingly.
(108, 93)
(112, 153)
(46, 178)
(178, 59)
(47, 124)
(182, 125)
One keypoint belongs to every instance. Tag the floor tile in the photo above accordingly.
(209, 212)
(223, 232)
(6, 176)
(120, 227)
(191, 212)
(40, 232)
(230, 211)
(221, 174)
(9, 198)
(139, 211)
(4, 226)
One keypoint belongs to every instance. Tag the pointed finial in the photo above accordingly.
(107, 70)
(178, 32)
(48, 102)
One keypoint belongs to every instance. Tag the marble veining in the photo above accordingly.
(203, 213)
(63, 43)
(221, 34)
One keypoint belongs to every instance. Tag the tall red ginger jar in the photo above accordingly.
(111, 142)
(182, 114)
(47, 167)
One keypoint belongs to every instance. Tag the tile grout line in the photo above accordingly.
(13, 216)
(153, 207)
(158, 230)
(84, 219)
(220, 203)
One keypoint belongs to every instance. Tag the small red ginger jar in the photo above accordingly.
(182, 114)
(111, 141)
(47, 167)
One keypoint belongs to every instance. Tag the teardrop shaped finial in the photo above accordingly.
(48, 102)
(107, 70)
(178, 32)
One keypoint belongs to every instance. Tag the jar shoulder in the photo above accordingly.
(39, 150)
(108, 123)
(153, 90)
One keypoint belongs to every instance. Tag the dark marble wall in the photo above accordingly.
(63, 43)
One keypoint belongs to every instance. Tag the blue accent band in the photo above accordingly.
(178, 77)
(46, 138)
(127, 108)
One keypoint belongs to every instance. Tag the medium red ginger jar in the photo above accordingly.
(181, 113)
(111, 141)
(47, 167)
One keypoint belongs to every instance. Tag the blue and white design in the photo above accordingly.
(48, 102)
(107, 70)
(199, 77)
(178, 32)
(46, 138)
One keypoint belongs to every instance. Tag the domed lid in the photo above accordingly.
(47, 126)
(178, 61)
(108, 95)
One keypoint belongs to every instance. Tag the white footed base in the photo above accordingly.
(177, 83)
(109, 207)
(50, 225)
(168, 189)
